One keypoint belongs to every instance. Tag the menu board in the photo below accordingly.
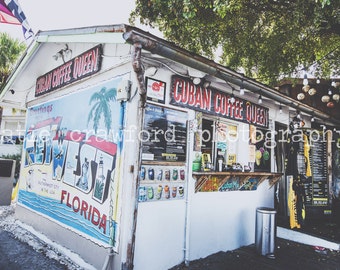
(336, 166)
(262, 153)
(312, 167)
(164, 134)
(319, 169)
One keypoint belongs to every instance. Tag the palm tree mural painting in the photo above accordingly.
(101, 107)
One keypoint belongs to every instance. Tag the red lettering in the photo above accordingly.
(239, 110)
(68, 200)
(102, 224)
(63, 193)
(198, 99)
(95, 216)
(43, 84)
(75, 204)
(216, 103)
(187, 93)
(90, 213)
(256, 115)
(191, 94)
(206, 99)
(84, 207)
(61, 75)
(224, 105)
(85, 63)
(178, 84)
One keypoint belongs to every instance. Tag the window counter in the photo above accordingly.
(230, 181)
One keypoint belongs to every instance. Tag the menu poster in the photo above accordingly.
(262, 153)
(319, 169)
(336, 167)
(312, 167)
(155, 90)
(164, 134)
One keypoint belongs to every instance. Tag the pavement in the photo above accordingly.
(289, 255)
(21, 247)
(315, 246)
(18, 255)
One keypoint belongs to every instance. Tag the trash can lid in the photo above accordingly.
(266, 210)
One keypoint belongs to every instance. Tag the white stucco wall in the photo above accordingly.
(222, 221)
(160, 235)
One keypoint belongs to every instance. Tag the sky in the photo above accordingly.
(63, 14)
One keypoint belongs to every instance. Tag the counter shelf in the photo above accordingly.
(243, 177)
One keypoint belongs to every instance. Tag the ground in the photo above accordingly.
(23, 248)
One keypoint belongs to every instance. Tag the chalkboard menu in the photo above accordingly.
(312, 167)
(319, 169)
(164, 134)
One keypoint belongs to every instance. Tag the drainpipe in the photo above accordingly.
(139, 71)
(188, 201)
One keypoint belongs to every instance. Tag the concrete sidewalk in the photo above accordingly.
(294, 251)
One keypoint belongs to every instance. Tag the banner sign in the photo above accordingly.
(82, 66)
(185, 93)
(70, 156)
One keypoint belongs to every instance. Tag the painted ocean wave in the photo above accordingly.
(63, 214)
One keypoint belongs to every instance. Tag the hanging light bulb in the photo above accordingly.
(260, 99)
(196, 80)
(280, 109)
(333, 84)
(241, 91)
(329, 91)
(312, 119)
(336, 97)
(305, 80)
(318, 81)
(298, 115)
(232, 99)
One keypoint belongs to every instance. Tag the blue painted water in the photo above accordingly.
(65, 215)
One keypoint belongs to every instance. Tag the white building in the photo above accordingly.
(126, 174)
(12, 130)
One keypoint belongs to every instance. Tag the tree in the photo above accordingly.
(10, 50)
(101, 107)
(266, 38)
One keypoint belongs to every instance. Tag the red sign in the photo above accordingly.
(84, 65)
(185, 93)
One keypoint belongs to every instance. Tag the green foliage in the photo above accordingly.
(266, 38)
(10, 50)
(99, 190)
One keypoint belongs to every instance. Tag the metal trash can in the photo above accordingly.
(265, 231)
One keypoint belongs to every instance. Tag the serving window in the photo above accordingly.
(231, 156)
(218, 141)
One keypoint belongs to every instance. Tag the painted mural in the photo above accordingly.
(71, 156)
